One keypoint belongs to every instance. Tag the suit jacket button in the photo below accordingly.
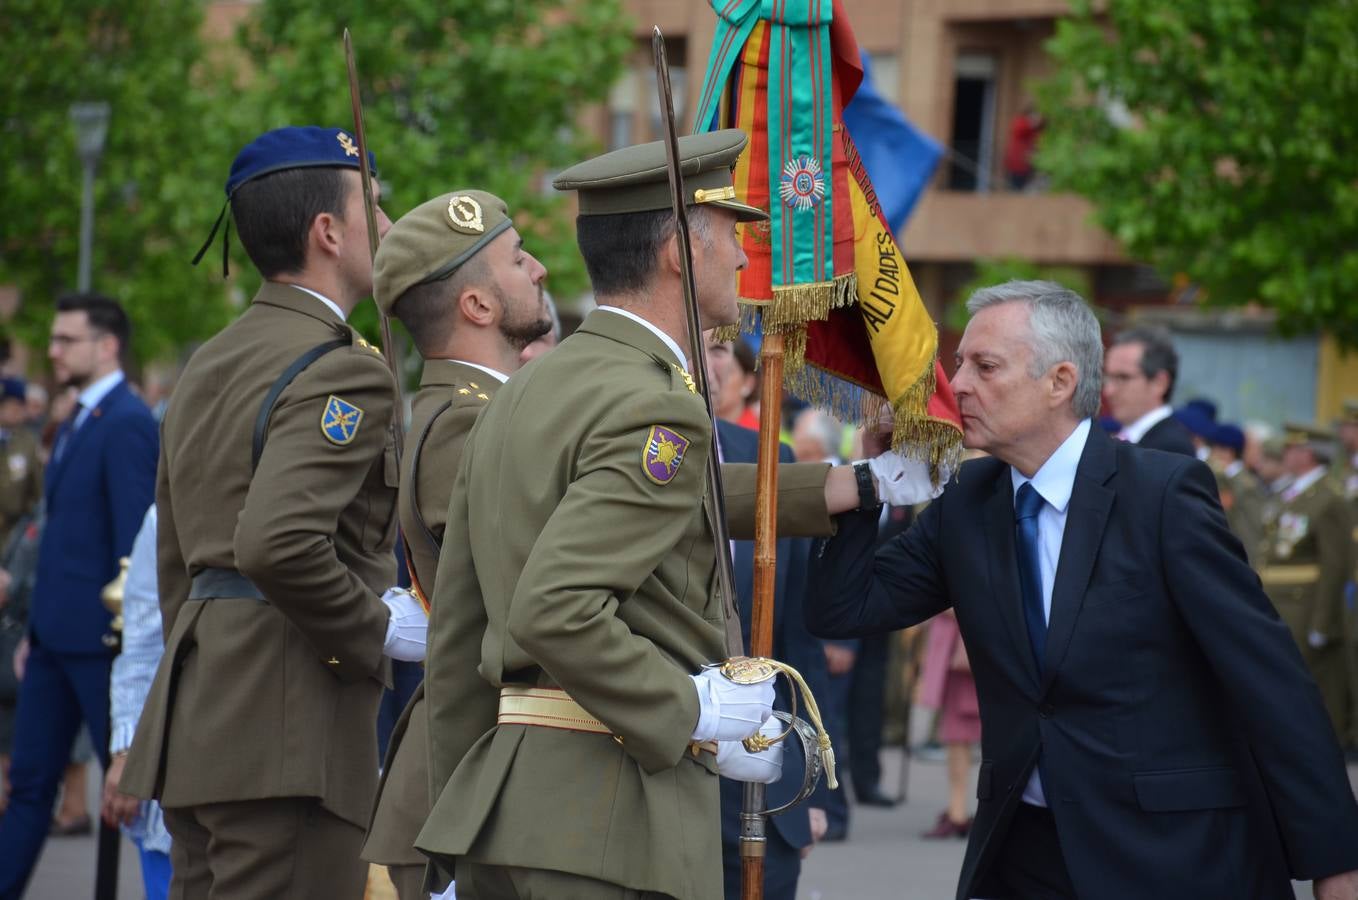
(1046, 710)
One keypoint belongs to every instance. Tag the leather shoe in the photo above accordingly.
(875, 797)
(946, 828)
(74, 828)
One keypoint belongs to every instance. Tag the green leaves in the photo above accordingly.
(1237, 168)
(457, 93)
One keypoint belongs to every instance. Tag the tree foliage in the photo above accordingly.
(1216, 141)
(457, 93)
(144, 59)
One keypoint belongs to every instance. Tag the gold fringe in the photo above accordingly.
(795, 304)
(723, 333)
(916, 434)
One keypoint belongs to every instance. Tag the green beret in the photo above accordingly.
(431, 241)
(636, 179)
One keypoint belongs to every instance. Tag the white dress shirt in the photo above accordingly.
(326, 300)
(1054, 482)
(93, 395)
(1137, 430)
(498, 376)
(665, 338)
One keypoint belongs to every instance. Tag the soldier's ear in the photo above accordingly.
(324, 235)
(477, 306)
(669, 255)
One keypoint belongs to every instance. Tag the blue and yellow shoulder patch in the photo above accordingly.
(340, 421)
(664, 451)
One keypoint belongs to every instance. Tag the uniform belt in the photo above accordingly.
(554, 708)
(1290, 576)
(223, 584)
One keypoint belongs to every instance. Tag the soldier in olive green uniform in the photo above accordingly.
(455, 272)
(20, 465)
(1309, 562)
(1241, 494)
(276, 500)
(1348, 440)
(572, 724)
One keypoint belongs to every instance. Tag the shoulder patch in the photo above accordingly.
(664, 451)
(340, 421)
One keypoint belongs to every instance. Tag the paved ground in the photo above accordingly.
(883, 857)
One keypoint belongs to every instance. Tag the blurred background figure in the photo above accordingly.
(1241, 494)
(133, 670)
(20, 464)
(1018, 153)
(946, 684)
(1138, 383)
(35, 408)
(549, 340)
(738, 400)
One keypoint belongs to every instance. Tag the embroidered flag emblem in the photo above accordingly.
(340, 421)
(664, 451)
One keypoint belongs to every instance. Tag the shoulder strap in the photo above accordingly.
(434, 542)
(271, 398)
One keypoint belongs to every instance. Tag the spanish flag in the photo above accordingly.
(824, 270)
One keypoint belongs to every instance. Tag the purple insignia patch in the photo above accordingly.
(664, 451)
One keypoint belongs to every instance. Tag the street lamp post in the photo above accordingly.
(91, 125)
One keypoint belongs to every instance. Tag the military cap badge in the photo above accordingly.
(340, 421)
(465, 214)
(664, 451)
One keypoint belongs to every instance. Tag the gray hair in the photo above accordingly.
(1157, 352)
(825, 428)
(1063, 328)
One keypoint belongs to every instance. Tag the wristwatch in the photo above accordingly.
(867, 487)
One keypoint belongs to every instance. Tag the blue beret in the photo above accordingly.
(13, 389)
(1202, 406)
(295, 147)
(1227, 435)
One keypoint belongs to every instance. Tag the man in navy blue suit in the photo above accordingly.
(99, 484)
(789, 834)
(1148, 726)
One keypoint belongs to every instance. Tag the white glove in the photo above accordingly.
(728, 711)
(764, 767)
(905, 482)
(406, 628)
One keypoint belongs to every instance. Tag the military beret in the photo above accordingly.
(295, 147)
(13, 389)
(636, 179)
(1228, 435)
(433, 240)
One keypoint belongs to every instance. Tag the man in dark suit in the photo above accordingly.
(99, 485)
(790, 833)
(1138, 382)
(1149, 728)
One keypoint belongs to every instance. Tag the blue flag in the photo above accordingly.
(899, 157)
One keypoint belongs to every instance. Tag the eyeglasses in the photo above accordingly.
(1122, 377)
(66, 340)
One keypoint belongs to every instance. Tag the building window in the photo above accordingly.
(973, 122)
(622, 107)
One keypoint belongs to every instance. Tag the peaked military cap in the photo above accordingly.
(433, 240)
(1349, 416)
(1321, 441)
(636, 179)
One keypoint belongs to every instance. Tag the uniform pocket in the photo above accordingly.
(381, 483)
(1179, 790)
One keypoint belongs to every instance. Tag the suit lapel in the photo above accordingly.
(1091, 501)
(1003, 563)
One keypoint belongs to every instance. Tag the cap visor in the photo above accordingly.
(744, 212)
